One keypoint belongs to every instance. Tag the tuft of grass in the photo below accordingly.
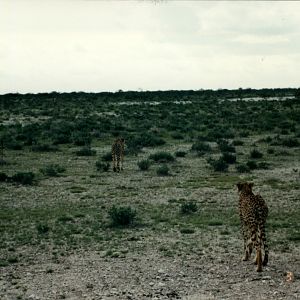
(25, 178)
(144, 164)
(218, 165)
(180, 153)
(122, 216)
(242, 168)
(85, 151)
(102, 167)
(52, 170)
(256, 154)
(42, 228)
(229, 158)
(188, 207)
(3, 177)
(163, 170)
(187, 230)
(107, 156)
(12, 260)
(162, 157)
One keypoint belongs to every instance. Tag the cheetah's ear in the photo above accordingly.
(251, 184)
(239, 186)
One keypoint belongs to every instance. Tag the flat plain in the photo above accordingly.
(185, 153)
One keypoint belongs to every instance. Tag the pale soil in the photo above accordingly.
(159, 263)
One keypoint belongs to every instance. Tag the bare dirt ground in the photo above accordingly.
(155, 260)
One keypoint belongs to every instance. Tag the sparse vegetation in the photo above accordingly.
(162, 157)
(23, 178)
(101, 166)
(144, 164)
(188, 207)
(190, 216)
(122, 215)
(256, 154)
(52, 170)
(163, 170)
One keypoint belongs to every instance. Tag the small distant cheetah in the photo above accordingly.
(253, 213)
(117, 151)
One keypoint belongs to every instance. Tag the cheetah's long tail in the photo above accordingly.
(263, 240)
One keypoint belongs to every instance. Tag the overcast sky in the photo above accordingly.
(83, 45)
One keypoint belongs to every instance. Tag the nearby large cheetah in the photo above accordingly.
(253, 213)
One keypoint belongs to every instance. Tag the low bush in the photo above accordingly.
(237, 143)
(122, 216)
(218, 165)
(162, 157)
(146, 140)
(242, 168)
(229, 158)
(144, 164)
(251, 164)
(225, 146)
(101, 166)
(52, 170)
(290, 142)
(201, 147)
(180, 153)
(188, 207)
(163, 170)
(3, 177)
(106, 157)
(255, 154)
(177, 136)
(44, 148)
(23, 178)
(85, 151)
(42, 228)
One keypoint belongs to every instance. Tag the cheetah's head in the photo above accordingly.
(245, 187)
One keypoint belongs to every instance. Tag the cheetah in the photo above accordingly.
(253, 212)
(117, 151)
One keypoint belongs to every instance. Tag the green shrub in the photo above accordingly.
(162, 157)
(3, 162)
(144, 164)
(263, 165)
(52, 170)
(122, 216)
(237, 143)
(81, 138)
(146, 140)
(229, 158)
(251, 164)
(42, 228)
(188, 207)
(290, 142)
(187, 230)
(107, 156)
(163, 170)
(271, 151)
(177, 136)
(242, 168)
(225, 146)
(43, 148)
(23, 177)
(3, 177)
(180, 153)
(201, 147)
(85, 151)
(255, 154)
(102, 167)
(14, 145)
(218, 165)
